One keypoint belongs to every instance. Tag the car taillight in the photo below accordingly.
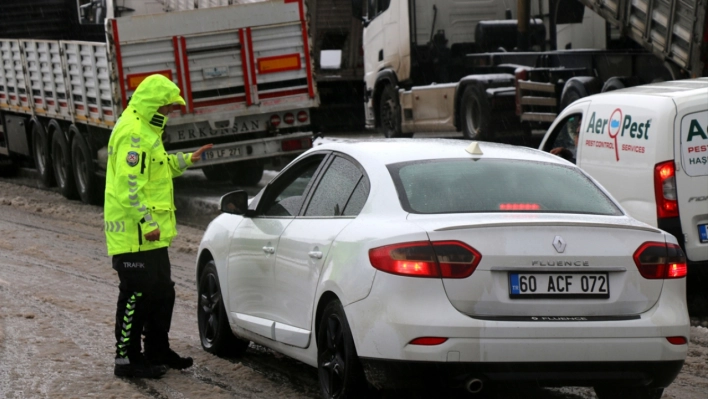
(665, 190)
(275, 120)
(658, 260)
(446, 259)
(289, 118)
(428, 341)
(677, 340)
(302, 116)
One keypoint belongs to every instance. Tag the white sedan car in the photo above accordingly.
(444, 262)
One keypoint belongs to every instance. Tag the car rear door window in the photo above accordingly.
(497, 185)
(335, 189)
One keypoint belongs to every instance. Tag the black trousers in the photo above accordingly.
(145, 302)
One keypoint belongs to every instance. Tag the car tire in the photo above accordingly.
(247, 173)
(640, 392)
(61, 163)
(340, 372)
(42, 155)
(475, 114)
(390, 113)
(214, 329)
(87, 183)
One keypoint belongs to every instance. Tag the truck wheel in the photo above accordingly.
(475, 114)
(216, 173)
(247, 173)
(577, 88)
(84, 172)
(41, 155)
(620, 82)
(390, 112)
(61, 163)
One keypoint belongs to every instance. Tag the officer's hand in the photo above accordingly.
(153, 235)
(197, 155)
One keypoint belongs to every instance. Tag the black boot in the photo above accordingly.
(170, 359)
(138, 367)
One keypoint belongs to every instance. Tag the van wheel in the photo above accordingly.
(41, 155)
(577, 88)
(390, 113)
(214, 330)
(475, 114)
(61, 162)
(340, 372)
(85, 172)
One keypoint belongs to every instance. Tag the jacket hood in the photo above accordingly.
(154, 92)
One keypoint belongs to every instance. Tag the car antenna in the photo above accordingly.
(474, 149)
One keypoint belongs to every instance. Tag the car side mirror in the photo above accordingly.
(235, 202)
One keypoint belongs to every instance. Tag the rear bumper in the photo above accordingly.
(396, 374)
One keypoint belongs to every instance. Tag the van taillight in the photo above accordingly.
(665, 190)
(446, 259)
(658, 260)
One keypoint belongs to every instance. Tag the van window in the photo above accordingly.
(563, 140)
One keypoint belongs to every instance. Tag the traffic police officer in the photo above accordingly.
(139, 215)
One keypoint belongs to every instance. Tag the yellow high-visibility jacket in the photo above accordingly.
(139, 191)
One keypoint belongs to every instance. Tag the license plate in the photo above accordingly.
(221, 153)
(703, 232)
(559, 285)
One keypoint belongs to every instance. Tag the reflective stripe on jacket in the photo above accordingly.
(139, 191)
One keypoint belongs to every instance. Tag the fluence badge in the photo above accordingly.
(133, 158)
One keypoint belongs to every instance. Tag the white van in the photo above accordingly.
(648, 145)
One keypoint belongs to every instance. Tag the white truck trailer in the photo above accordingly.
(481, 68)
(69, 67)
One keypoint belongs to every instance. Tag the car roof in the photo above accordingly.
(390, 151)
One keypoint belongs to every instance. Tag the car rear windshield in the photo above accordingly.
(496, 185)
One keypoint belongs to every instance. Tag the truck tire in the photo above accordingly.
(61, 163)
(390, 112)
(41, 155)
(620, 82)
(247, 173)
(577, 88)
(475, 114)
(85, 172)
(216, 173)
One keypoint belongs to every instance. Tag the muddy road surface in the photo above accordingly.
(57, 305)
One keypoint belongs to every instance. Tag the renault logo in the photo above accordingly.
(559, 244)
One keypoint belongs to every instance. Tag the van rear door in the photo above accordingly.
(691, 146)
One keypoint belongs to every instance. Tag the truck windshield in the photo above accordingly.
(496, 185)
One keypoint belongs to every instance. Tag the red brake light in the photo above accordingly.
(428, 341)
(665, 190)
(519, 207)
(302, 116)
(658, 260)
(296, 144)
(275, 120)
(446, 259)
(677, 340)
(289, 118)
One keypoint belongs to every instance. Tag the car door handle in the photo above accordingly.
(269, 250)
(315, 254)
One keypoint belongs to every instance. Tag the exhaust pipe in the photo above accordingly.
(474, 385)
